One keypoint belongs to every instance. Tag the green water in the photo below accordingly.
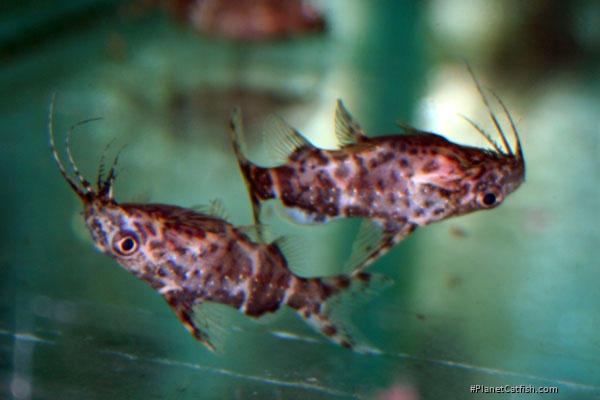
(505, 297)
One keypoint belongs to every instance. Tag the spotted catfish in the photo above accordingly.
(397, 182)
(194, 259)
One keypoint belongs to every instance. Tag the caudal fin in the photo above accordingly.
(330, 314)
(236, 130)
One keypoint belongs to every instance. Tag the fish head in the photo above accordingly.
(489, 175)
(117, 234)
(153, 241)
(487, 181)
(449, 179)
(113, 228)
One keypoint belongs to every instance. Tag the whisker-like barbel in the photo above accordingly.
(490, 113)
(519, 151)
(106, 186)
(100, 175)
(487, 137)
(57, 160)
(84, 182)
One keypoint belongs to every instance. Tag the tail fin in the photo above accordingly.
(330, 312)
(236, 129)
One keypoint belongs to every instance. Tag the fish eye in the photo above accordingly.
(125, 243)
(489, 197)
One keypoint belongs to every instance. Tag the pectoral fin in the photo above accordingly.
(369, 240)
(203, 324)
(372, 242)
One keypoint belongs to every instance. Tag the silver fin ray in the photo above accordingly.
(282, 140)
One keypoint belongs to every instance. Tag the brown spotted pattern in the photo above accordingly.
(396, 180)
(193, 258)
(399, 182)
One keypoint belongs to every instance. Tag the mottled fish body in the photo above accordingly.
(396, 182)
(196, 258)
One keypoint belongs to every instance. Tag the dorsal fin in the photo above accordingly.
(282, 140)
(215, 208)
(347, 130)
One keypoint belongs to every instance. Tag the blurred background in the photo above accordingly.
(502, 297)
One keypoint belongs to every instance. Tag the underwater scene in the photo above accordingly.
(293, 199)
